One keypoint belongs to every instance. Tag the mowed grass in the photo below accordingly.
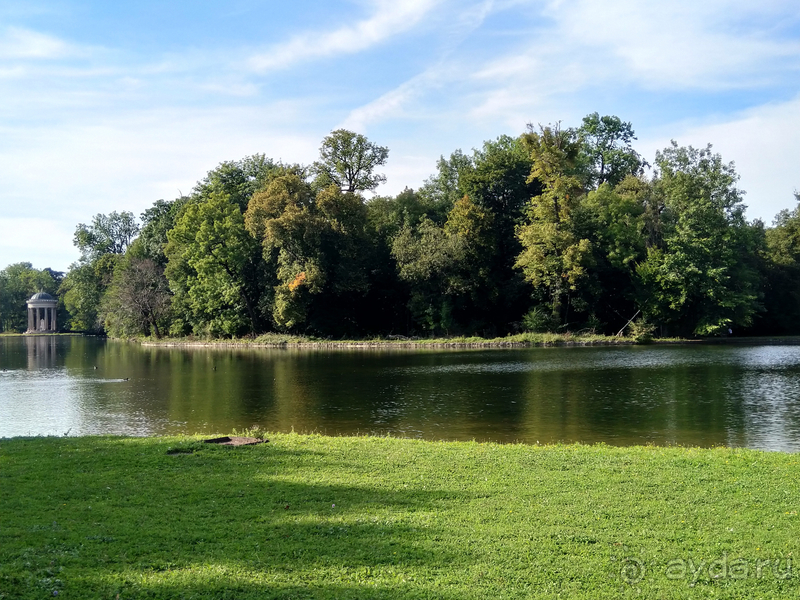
(368, 517)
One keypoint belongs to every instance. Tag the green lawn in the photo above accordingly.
(367, 517)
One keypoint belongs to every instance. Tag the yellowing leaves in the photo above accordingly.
(299, 280)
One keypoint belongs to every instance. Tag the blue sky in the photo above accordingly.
(110, 106)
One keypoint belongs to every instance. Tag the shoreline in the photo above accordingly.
(518, 341)
(466, 344)
(287, 342)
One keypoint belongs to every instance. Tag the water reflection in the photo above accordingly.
(693, 395)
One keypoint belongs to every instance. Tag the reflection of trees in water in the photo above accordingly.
(701, 396)
(671, 404)
(219, 389)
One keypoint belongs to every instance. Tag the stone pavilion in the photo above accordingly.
(42, 309)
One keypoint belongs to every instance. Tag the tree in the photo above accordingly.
(498, 183)
(347, 160)
(783, 238)
(239, 179)
(82, 291)
(387, 215)
(107, 234)
(782, 275)
(319, 246)
(606, 148)
(156, 222)
(282, 219)
(612, 220)
(214, 267)
(18, 282)
(442, 190)
(701, 278)
(495, 179)
(446, 266)
(428, 259)
(101, 244)
(553, 257)
(138, 300)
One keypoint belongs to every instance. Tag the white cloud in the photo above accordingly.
(389, 18)
(682, 45)
(392, 104)
(682, 42)
(63, 174)
(764, 142)
(12, 73)
(395, 103)
(19, 43)
(405, 169)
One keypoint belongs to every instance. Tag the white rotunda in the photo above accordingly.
(42, 309)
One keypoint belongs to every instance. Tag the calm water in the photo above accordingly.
(691, 395)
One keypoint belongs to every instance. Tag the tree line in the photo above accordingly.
(558, 229)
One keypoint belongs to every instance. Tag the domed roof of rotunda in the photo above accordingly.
(41, 296)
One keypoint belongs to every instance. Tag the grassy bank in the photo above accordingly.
(521, 340)
(317, 517)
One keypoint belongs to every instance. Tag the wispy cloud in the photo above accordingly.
(664, 45)
(682, 42)
(395, 103)
(763, 141)
(52, 239)
(388, 18)
(19, 43)
(576, 47)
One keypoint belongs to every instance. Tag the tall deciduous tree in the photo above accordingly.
(348, 160)
(607, 151)
(782, 275)
(214, 267)
(611, 218)
(553, 257)
(443, 189)
(156, 222)
(138, 300)
(102, 244)
(700, 279)
(239, 179)
(446, 267)
(318, 244)
(499, 183)
(107, 234)
(82, 291)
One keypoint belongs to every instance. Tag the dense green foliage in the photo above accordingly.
(367, 517)
(560, 229)
(18, 283)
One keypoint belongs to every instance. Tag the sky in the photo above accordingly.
(110, 106)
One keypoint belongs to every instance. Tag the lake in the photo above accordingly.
(699, 395)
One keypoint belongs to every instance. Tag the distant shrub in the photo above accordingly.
(539, 320)
(642, 331)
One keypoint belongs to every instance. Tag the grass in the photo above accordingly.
(284, 340)
(368, 517)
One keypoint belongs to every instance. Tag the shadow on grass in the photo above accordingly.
(113, 516)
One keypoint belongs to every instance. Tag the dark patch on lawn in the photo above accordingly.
(227, 440)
